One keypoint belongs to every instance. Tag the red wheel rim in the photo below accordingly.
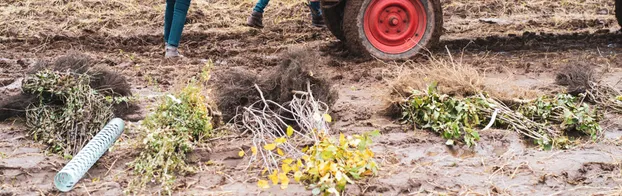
(395, 26)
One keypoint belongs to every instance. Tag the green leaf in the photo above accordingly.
(475, 135)
(327, 155)
(374, 133)
(316, 191)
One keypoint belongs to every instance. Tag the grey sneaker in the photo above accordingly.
(255, 20)
(172, 52)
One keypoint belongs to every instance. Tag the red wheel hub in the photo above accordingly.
(395, 26)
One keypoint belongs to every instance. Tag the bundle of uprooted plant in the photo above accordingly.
(459, 119)
(306, 153)
(69, 101)
(180, 122)
(68, 113)
(582, 81)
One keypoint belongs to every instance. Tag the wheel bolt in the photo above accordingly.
(405, 21)
(399, 30)
(394, 21)
(380, 21)
(386, 11)
(417, 35)
(386, 31)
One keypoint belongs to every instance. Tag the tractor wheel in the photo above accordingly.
(392, 29)
(619, 11)
(333, 17)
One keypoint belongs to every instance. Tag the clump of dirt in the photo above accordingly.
(235, 88)
(581, 80)
(14, 104)
(101, 79)
(576, 77)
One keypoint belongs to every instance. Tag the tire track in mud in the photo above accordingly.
(219, 44)
(226, 45)
(530, 41)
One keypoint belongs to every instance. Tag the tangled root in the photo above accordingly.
(577, 78)
(581, 80)
(101, 79)
(234, 88)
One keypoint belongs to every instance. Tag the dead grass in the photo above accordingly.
(454, 77)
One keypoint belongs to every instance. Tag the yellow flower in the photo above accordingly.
(241, 153)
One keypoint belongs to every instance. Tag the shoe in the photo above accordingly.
(172, 52)
(317, 19)
(255, 20)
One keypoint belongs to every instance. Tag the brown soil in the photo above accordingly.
(517, 59)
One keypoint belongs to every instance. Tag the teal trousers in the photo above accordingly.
(174, 20)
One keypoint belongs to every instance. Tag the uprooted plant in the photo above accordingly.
(67, 101)
(179, 123)
(459, 119)
(581, 81)
(306, 153)
(67, 112)
(328, 165)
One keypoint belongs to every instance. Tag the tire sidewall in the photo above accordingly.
(618, 10)
(425, 40)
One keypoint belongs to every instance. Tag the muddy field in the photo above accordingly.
(517, 55)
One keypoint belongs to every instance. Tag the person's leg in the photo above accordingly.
(315, 7)
(177, 24)
(177, 27)
(316, 13)
(256, 18)
(261, 4)
(168, 18)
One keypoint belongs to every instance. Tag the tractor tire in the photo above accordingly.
(392, 29)
(333, 18)
(619, 12)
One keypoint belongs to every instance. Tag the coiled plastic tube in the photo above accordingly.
(84, 160)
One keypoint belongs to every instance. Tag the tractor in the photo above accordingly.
(390, 29)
